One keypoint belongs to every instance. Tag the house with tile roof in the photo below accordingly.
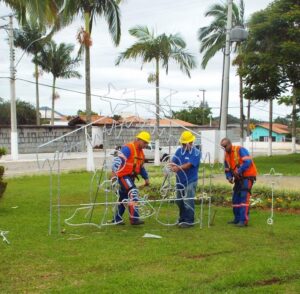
(261, 132)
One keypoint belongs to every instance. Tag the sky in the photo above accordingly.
(129, 81)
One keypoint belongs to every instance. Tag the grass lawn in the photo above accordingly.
(116, 259)
(288, 165)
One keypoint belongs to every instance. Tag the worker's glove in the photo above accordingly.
(230, 180)
(237, 176)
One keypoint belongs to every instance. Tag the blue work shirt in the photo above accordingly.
(182, 156)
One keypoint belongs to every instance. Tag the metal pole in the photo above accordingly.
(13, 115)
(203, 95)
(225, 88)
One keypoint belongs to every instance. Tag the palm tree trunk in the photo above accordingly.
(294, 119)
(241, 112)
(37, 105)
(53, 100)
(87, 70)
(156, 154)
(270, 127)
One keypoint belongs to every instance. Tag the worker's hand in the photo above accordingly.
(147, 183)
(113, 176)
(230, 180)
(173, 167)
(236, 175)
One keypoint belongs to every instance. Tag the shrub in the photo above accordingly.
(2, 183)
(2, 151)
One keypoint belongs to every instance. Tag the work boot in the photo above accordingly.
(241, 224)
(118, 223)
(185, 225)
(233, 222)
(137, 222)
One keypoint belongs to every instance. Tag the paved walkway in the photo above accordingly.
(30, 164)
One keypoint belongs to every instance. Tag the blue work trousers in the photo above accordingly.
(128, 193)
(241, 200)
(186, 203)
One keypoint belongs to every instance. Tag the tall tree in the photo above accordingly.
(57, 60)
(160, 49)
(263, 78)
(194, 114)
(212, 39)
(30, 39)
(26, 114)
(90, 10)
(275, 34)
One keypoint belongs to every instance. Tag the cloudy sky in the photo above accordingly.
(128, 81)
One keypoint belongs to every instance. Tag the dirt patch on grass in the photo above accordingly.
(206, 255)
(268, 282)
(276, 280)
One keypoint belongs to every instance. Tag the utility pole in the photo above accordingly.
(203, 95)
(13, 114)
(225, 88)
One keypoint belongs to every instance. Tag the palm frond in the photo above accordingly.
(142, 33)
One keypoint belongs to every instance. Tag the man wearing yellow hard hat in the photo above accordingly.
(126, 167)
(185, 163)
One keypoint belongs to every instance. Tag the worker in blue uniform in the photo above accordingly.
(240, 170)
(185, 163)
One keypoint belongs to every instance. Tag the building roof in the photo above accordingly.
(134, 120)
(277, 128)
(45, 112)
(97, 120)
(172, 122)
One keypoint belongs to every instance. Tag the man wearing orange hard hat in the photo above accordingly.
(126, 167)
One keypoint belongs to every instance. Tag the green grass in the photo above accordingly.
(288, 165)
(116, 259)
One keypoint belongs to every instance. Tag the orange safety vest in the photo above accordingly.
(133, 164)
(234, 161)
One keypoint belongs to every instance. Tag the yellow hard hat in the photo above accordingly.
(145, 136)
(186, 137)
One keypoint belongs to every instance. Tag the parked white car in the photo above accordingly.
(149, 152)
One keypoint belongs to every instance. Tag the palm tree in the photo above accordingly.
(56, 59)
(159, 49)
(212, 38)
(90, 10)
(29, 38)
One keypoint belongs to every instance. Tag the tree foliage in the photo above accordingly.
(272, 54)
(212, 37)
(195, 115)
(26, 114)
(57, 60)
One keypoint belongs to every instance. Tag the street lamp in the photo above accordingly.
(237, 34)
(14, 151)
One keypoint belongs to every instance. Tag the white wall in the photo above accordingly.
(210, 146)
(97, 136)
